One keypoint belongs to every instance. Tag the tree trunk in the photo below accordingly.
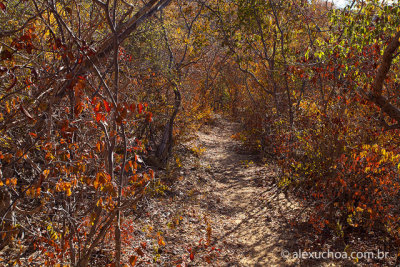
(164, 148)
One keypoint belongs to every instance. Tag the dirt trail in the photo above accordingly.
(241, 194)
(250, 217)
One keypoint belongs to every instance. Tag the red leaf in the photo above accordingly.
(149, 117)
(2, 6)
(191, 256)
(128, 165)
(98, 146)
(98, 117)
(107, 106)
(140, 108)
(132, 107)
(78, 108)
(94, 100)
(132, 260)
(97, 108)
(160, 240)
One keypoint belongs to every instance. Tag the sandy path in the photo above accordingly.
(241, 196)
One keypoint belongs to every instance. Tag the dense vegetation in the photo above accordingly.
(96, 94)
